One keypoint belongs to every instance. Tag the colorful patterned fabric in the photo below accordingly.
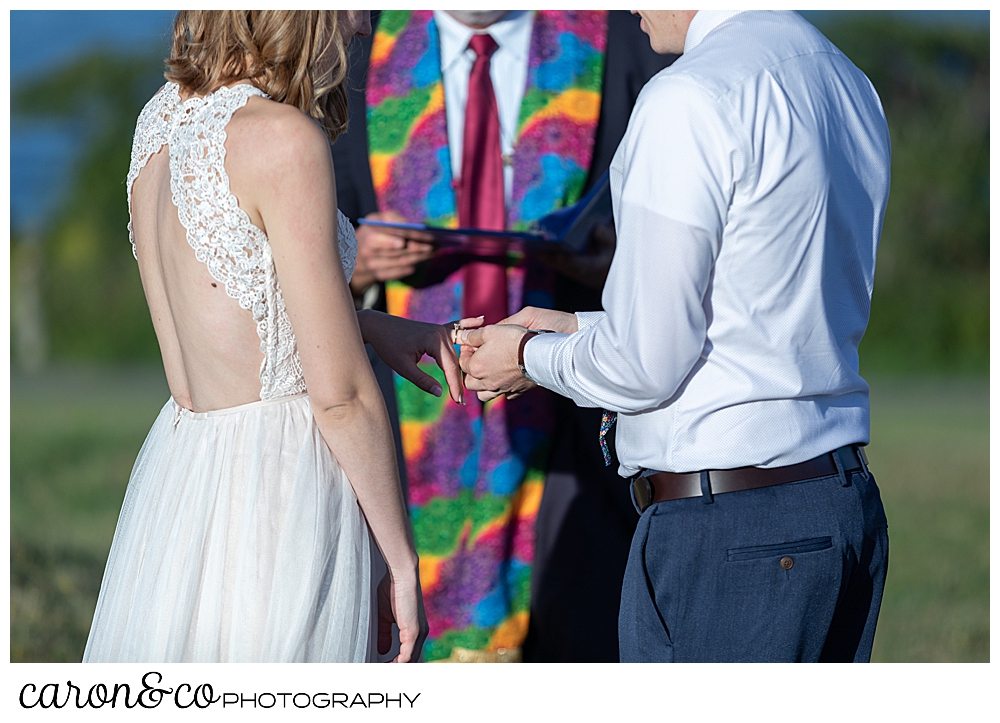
(475, 472)
(608, 420)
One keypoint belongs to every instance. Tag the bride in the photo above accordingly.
(244, 534)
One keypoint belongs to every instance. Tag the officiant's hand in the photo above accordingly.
(489, 360)
(384, 256)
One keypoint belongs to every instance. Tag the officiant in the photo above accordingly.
(494, 119)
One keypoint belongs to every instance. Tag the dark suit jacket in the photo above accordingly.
(586, 519)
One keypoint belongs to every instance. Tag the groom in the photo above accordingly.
(749, 192)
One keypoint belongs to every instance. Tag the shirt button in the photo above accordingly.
(786, 563)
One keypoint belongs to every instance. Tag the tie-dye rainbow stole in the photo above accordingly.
(475, 478)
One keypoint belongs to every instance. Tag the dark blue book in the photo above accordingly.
(568, 228)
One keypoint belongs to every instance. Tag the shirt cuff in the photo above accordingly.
(541, 354)
(588, 318)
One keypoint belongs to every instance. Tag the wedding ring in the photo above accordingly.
(455, 328)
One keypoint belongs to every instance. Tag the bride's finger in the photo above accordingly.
(445, 357)
(468, 323)
(409, 370)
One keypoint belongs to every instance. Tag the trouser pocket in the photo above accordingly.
(812, 544)
(643, 635)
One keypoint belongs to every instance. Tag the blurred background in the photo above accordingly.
(86, 380)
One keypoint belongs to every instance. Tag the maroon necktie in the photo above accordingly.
(481, 193)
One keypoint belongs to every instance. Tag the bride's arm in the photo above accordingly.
(295, 195)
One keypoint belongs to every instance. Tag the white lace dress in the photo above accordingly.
(240, 538)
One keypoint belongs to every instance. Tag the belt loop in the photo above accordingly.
(631, 490)
(860, 451)
(706, 488)
(844, 482)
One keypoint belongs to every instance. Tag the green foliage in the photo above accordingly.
(94, 304)
(930, 308)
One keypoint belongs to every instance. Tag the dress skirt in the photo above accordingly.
(240, 540)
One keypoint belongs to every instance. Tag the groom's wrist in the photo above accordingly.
(545, 359)
(528, 336)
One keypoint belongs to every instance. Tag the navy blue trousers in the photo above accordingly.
(790, 573)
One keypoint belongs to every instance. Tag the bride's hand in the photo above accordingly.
(402, 343)
(401, 603)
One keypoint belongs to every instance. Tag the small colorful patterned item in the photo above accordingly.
(608, 420)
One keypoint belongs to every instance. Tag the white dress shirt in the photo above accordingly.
(748, 194)
(508, 71)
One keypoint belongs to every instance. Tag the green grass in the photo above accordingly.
(75, 433)
(930, 455)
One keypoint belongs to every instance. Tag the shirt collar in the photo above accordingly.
(508, 32)
(704, 22)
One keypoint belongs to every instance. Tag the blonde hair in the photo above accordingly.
(295, 56)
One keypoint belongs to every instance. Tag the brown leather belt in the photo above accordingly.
(664, 486)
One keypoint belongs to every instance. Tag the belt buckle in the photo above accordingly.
(642, 493)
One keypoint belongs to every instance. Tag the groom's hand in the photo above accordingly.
(489, 360)
(531, 317)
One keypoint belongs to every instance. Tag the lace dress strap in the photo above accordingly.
(150, 135)
(235, 252)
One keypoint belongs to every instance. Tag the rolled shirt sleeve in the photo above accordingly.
(672, 183)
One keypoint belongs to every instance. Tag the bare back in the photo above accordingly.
(205, 261)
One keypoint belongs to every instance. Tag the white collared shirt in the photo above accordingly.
(748, 193)
(508, 71)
